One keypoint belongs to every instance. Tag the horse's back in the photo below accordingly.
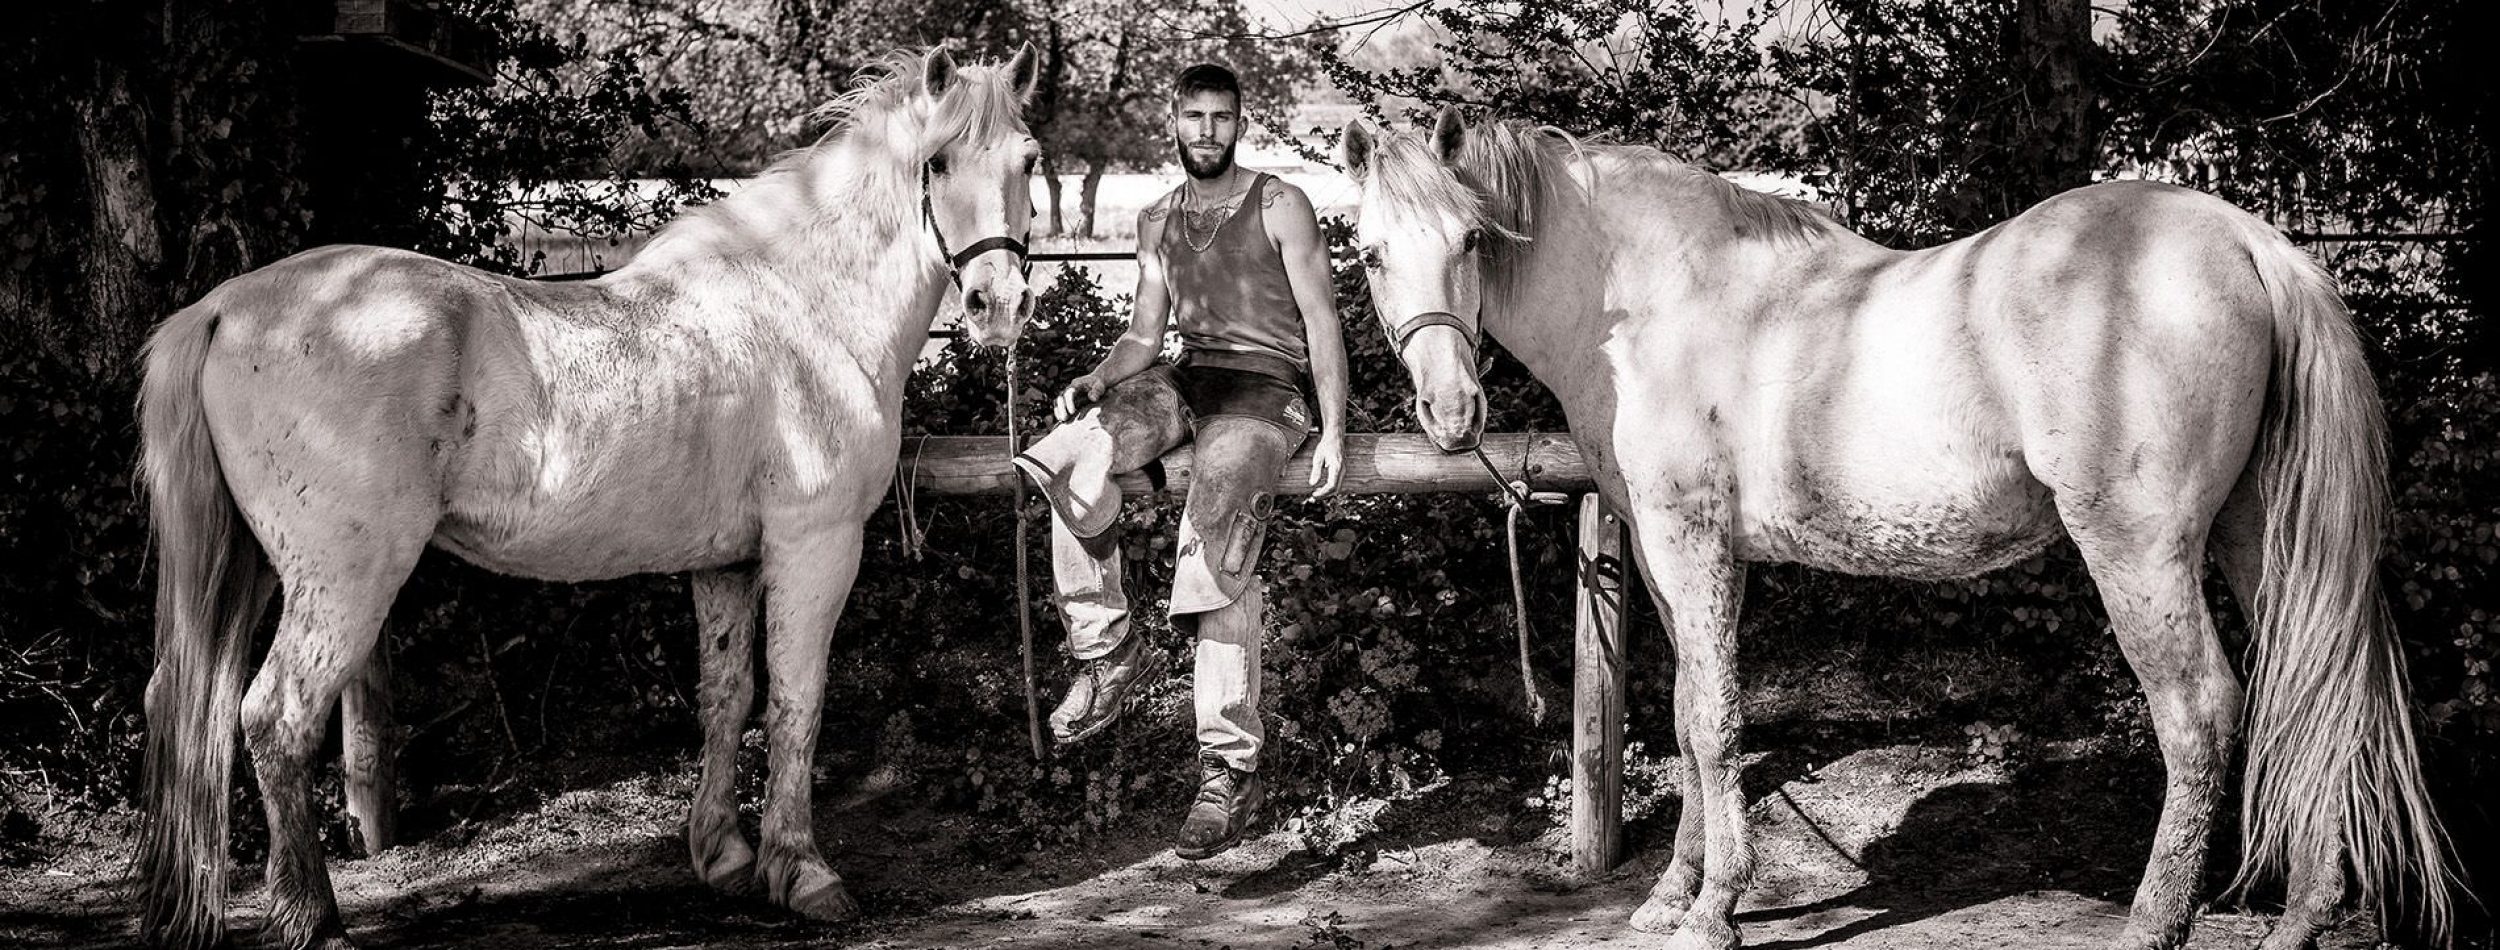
(1922, 412)
(2133, 338)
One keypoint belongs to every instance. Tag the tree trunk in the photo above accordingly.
(2054, 140)
(120, 262)
(1050, 182)
(1086, 192)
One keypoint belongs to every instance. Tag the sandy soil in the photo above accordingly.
(1884, 848)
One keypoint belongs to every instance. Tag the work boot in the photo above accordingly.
(1102, 689)
(1227, 798)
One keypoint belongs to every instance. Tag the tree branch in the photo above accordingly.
(1380, 17)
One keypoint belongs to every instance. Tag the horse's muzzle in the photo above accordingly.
(1453, 424)
(994, 311)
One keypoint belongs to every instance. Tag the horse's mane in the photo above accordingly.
(1516, 164)
(1758, 214)
(1507, 173)
(885, 112)
(980, 103)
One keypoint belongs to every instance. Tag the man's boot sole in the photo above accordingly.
(1248, 815)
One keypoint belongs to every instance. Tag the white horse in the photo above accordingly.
(728, 404)
(2145, 369)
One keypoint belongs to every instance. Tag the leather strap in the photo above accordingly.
(1400, 333)
(955, 260)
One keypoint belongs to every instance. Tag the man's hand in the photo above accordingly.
(1327, 464)
(1078, 395)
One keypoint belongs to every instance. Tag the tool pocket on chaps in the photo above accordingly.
(1241, 542)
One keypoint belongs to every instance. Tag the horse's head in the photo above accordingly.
(1422, 233)
(976, 183)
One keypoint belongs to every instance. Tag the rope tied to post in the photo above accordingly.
(915, 532)
(1517, 495)
(1024, 582)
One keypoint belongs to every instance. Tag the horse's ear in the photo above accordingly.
(1356, 144)
(1026, 70)
(1449, 131)
(937, 71)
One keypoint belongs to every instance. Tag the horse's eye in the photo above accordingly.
(937, 164)
(1032, 162)
(1474, 239)
(1371, 258)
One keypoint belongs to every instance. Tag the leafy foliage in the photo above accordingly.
(1662, 74)
(748, 74)
(1389, 669)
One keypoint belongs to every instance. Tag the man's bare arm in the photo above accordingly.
(1136, 349)
(1290, 218)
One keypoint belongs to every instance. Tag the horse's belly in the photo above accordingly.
(1951, 528)
(574, 545)
(543, 507)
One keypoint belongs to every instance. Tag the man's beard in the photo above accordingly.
(1222, 163)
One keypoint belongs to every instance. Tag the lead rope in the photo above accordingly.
(1024, 578)
(1517, 497)
(915, 532)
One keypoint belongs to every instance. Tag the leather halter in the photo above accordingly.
(956, 260)
(1399, 333)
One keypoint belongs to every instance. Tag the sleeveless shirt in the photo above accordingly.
(1233, 297)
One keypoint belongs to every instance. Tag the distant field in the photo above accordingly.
(1115, 214)
(1116, 218)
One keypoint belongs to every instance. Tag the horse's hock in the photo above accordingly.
(1407, 463)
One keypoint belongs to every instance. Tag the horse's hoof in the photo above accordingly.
(2280, 937)
(813, 891)
(1659, 915)
(827, 903)
(2164, 938)
(1697, 934)
(732, 871)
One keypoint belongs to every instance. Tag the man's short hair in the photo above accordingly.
(1206, 77)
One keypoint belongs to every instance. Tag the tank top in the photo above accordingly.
(1233, 297)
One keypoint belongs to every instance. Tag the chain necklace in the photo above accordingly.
(1216, 217)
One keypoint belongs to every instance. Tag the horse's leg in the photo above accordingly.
(369, 750)
(807, 576)
(1692, 566)
(724, 609)
(339, 577)
(1673, 894)
(2316, 891)
(2149, 570)
(1674, 891)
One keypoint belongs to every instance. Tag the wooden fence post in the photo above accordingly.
(1597, 688)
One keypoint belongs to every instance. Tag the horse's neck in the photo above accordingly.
(1646, 251)
(1554, 314)
(816, 259)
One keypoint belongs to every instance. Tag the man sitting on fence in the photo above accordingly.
(1235, 257)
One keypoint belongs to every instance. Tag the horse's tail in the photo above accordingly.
(210, 588)
(2332, 767)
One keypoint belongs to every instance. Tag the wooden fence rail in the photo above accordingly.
(1386, 463)
(1406, 463)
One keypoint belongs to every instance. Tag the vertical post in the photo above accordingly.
(1597, 688)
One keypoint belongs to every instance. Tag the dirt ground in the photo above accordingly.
(1883, 848)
